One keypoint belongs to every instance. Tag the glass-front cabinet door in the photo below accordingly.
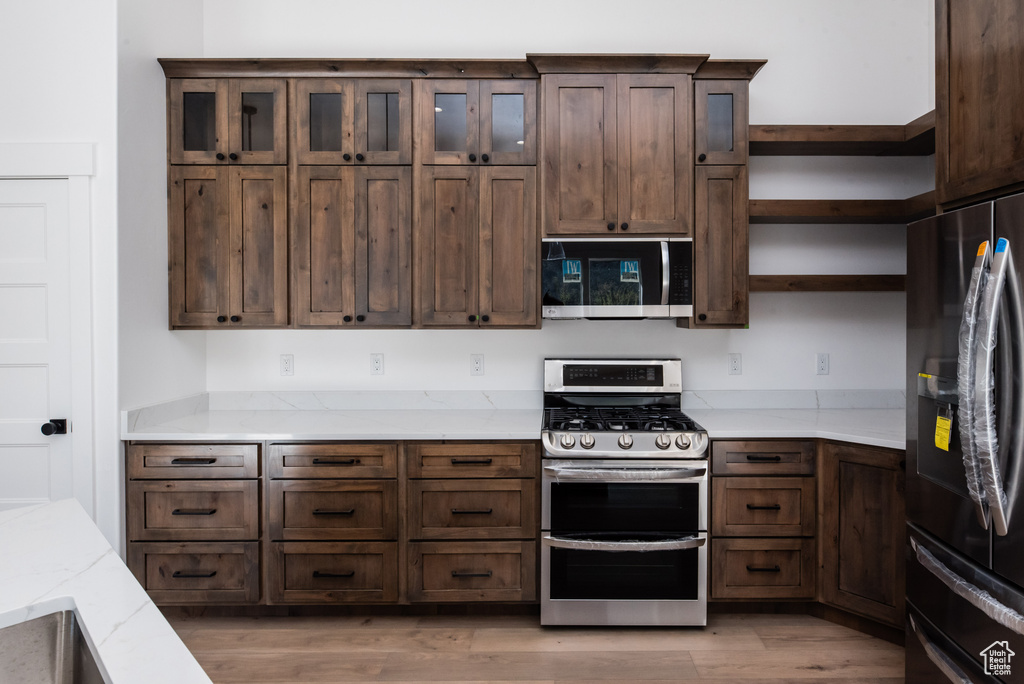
(383, 121)
(477, 122)
(720, 121)
(223, 121)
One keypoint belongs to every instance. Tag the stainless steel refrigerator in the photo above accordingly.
(965, 435)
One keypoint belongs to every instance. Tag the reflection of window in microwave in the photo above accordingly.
(563, 282)
(615, 282)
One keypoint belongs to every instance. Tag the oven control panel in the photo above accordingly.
(636, 375)
(574, 375)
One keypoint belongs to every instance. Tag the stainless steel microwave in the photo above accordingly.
(617, 278)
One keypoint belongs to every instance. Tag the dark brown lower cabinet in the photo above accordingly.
(472, 571)
(333, 572)
(197, 572)
(763, 568)
(862, 530)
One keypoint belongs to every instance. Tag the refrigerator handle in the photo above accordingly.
(1013, 386)
(985, 433)
(938, 657)
(965, 381)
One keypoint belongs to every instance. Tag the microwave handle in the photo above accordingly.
(665, 273)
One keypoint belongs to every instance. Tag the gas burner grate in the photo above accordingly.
(617, 419)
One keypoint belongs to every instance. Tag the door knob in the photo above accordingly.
(55, 426)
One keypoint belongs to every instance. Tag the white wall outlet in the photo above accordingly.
(476, 364)
(735, 364)
(821, 363)
(376, 364)
(287, 364)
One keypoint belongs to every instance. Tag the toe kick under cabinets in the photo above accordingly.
(333, 523)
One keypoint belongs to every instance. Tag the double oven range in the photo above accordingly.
(625, 496)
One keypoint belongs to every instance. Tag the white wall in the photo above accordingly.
(828, 62)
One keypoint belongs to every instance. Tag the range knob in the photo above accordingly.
(587, 441)
(683, 442)
(625, 441)
(567, 441)
(663, 441)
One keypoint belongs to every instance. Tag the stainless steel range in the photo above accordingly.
(625, 496)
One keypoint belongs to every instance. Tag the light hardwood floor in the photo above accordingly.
(733, 648)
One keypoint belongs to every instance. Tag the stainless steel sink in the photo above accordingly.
(48, 650)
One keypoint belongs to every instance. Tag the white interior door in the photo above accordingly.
(35, 341)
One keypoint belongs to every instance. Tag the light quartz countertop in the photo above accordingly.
(54, 558)
(453, 415)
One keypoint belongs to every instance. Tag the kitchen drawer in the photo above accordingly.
(333, 509)
(472, 571)
(333, 572)
(762, 506)
(192, 461)
(311, 461)
(469, 460)
(178, 510)
(762, 457)
(762, 568)
(197, 572)
(472, 509)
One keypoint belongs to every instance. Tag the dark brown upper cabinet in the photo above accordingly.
(617, 154)
(720, 121)
(477, 122)
(979, 99)
(351, 253)
(228, 244)
(721, 296)
(353, 121)
(228, 121)
(477, 246)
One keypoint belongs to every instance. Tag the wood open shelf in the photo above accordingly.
(828, 283)
(843, 211)
(916, 138)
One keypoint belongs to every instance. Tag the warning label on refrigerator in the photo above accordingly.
(942, 430)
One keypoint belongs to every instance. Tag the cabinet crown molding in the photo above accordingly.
(718, 69)
(616, 63)
(342, 68)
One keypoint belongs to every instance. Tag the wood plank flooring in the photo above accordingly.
(733, 648)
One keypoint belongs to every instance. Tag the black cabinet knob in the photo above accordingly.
(360, 318)
(220, 156)
(485, 318)
(702, 317)
(347, 319)
(347, 156)
(472, 157)
(702, 157)
(221, 319)
(472, 319)
(55, 426)
(236, 319)
(360, 157)
(485, 158)
(611, 226)
(624, 226)
(233, 156)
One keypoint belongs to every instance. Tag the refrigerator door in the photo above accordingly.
(933, 659)
(1008, 549)
(941, 253)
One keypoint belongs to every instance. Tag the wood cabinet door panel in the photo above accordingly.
(448, 227)
(191, 461)
(383, 121)
(720, 250)
(655, 181)
(197, 572)
(508, 246)
(383, 245)
(200, 510)
(323, 125)
(863, 522)
(333, 572)
(471, 509)
(259, 245)
(579, 172)
(472, 571)
(762, 457)
(497, 122)
(197, 120)
(333, 509)
(763, 506)
(762, 568)
(471, 460)
(254, 135)
(721, 132)
(348, 461)
(448, 124)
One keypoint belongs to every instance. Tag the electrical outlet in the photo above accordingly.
(735, 364)
(376, 364)
(287, 364)
(821, 363)
(476, 364)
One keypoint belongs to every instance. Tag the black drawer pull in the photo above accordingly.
(178, 574)
(193, 511)
(487, 511)
(320, 511)
(193, 461)
(772, 507)
(762, 457)
(331, 461)
(318, 574)
(472, 461)
(456, 573)
(754, 568)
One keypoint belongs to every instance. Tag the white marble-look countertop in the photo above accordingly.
(52, 558)
(870, 427)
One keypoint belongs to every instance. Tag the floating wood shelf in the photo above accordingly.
(828, 283)
(842, 211)
(916, 138)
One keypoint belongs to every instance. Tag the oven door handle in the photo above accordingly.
(641, 546)
(560, 473)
